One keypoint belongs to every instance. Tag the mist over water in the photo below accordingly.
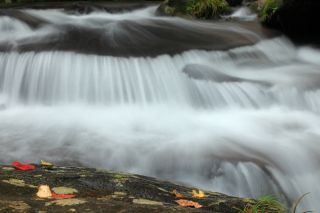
(243, 121)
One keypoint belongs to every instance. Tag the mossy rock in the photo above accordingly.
(98, 190)
(207, 8)
(200, 9)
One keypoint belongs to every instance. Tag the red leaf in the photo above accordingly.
(61, 196)
(22, 166)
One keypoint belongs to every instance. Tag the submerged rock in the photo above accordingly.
(99, 190)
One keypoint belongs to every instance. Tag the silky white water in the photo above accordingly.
(243, 122)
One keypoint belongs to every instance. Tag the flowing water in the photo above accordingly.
(243, 121)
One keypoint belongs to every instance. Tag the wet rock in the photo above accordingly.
(14, 206)
(97, 190)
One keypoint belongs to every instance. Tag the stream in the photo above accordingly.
(225, 106)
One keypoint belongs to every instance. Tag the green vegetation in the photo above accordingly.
(207, 8)
(203, 9)
(269, 8)
(169, 10)
(265, 204)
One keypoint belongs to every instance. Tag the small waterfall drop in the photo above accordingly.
(239, 117)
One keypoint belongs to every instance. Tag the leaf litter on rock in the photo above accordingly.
(44, 191)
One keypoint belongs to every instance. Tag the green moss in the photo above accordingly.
(169, 10)
(120, 176)
(207, 8)
(265, 204)
(269, 8)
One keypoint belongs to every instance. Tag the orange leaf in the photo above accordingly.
(188, 203)
(199, 194)
(177, 194)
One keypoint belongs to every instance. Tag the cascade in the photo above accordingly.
(216, 105)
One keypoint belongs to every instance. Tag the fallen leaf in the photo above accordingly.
(44, 191)
(7, 168)
(64, 190)
(62, 196)
(177, 194)
(199, 194)
(18, 182)
(120, 193)
(147, 202)
(21, 166)
(188, 203)
(46, 164)
(15, 182)
(68, 202)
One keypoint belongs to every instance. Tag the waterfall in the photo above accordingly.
(216, 105)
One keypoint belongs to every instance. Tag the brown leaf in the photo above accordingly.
(177, 194)
(188, 203)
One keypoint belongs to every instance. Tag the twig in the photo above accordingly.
(296, 203)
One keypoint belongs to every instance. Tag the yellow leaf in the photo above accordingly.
(188, 203)
(46, 164)
(177, 194)
(199, 194)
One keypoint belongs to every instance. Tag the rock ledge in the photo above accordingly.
(98, 190)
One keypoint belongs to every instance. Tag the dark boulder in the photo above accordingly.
(298, 19)
(234, 3)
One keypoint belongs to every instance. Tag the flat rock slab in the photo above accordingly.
(101, 191)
